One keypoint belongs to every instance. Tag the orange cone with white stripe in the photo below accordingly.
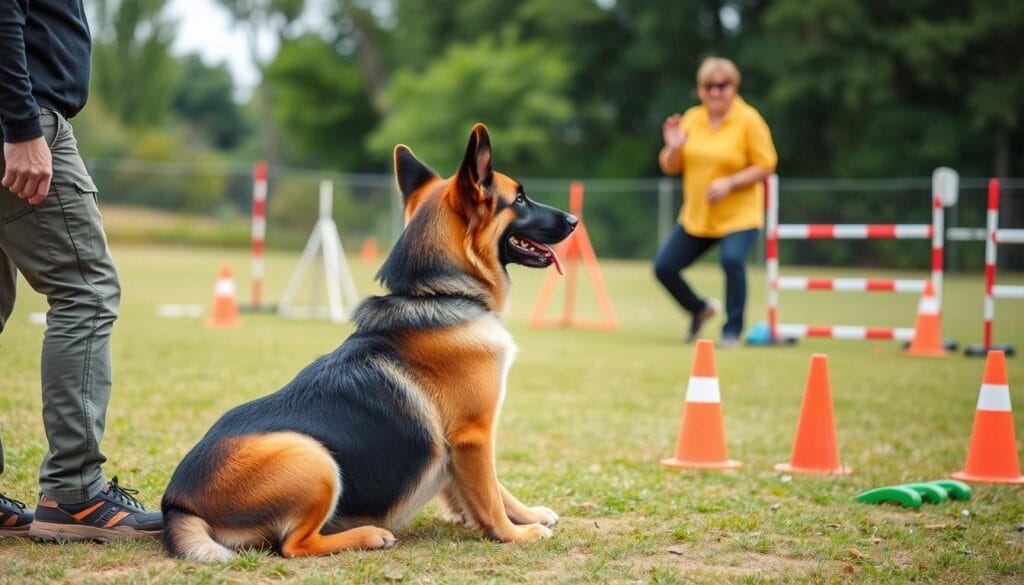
(224, 312)
(927, 341)
(992, 454)
(702, 435)
(815, 449)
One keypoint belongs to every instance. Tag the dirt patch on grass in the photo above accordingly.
(714, 561)
(704, 560)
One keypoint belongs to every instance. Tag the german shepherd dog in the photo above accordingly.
(405, 409)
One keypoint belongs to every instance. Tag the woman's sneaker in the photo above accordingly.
(711, 308)
(14, 517)
(111, 514)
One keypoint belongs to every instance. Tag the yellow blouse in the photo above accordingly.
(741, 140)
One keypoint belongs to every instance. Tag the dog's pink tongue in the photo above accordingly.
(556, 261)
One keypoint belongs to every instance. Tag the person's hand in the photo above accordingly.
(719, 188)
(673, 135)
(29, 169)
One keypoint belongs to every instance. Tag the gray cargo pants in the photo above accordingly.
(61, 250)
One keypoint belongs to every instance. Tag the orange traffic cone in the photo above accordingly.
(702, 435)
(814, 448)
(224, 312)
(992, 454)
(927, 341)
(368, 253)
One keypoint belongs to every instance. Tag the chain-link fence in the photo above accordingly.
(626, 218)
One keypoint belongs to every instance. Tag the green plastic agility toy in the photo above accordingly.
(912, 495)
(930, 493)
(957, 490)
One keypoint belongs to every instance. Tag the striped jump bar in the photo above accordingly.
(1005, 236)
(845, 332)
(851, 284)
(1008, 291)
(869, 231)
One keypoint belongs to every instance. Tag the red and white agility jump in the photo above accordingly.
(775, 232)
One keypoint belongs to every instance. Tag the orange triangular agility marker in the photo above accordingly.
(368, 253)
(702, 434)
(927, 341)
(575, 249)
(814, 448)
(992, 454)
(224, 312)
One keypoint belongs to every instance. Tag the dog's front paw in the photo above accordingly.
(530, 533)
(544, 515)
(535, 515)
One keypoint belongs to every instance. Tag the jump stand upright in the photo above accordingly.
(259, 234)
(994, 237)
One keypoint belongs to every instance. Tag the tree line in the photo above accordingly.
(850, 88)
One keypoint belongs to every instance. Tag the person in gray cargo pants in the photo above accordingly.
(52, 233)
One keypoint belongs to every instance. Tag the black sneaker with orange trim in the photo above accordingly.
(113, 513)
(14, 517)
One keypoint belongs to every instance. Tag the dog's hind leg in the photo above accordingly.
(305, 539)
(297, 469)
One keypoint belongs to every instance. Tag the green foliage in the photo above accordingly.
(204, 101)
(571, 89)
(134, 72)
(100, 132)
(883, 89)
(322, 106)
(518, 88)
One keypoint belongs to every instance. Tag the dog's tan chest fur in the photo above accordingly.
(463, 369)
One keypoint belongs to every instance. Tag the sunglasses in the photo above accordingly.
(719, 86)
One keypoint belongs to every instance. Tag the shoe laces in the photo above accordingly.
(125, 495)
(19, 505)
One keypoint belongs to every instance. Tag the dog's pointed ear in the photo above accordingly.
(410, 172)
(476, 171)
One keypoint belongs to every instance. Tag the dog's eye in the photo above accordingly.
(521, 199)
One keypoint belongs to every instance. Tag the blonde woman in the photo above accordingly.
(723, 150)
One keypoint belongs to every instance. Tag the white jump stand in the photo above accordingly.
(334, 271)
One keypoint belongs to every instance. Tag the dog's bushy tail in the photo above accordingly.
(189, 537)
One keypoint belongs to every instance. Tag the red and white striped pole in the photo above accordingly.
(259, 231)
(771, 196)
(992, 225)
(938, 237)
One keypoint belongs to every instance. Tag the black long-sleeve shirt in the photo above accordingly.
(45, 52)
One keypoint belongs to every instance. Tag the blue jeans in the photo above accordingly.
(681, 250)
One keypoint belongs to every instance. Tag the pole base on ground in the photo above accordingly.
(787, 468)
(680, 464)
(760, 334)
(964, 476)
(982, 351)
(947, 344)
(257, 308)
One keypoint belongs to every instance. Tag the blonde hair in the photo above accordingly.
(712, 65)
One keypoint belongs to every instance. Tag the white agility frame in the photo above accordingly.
(326, 243)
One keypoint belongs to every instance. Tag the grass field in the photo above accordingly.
(587, 418)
